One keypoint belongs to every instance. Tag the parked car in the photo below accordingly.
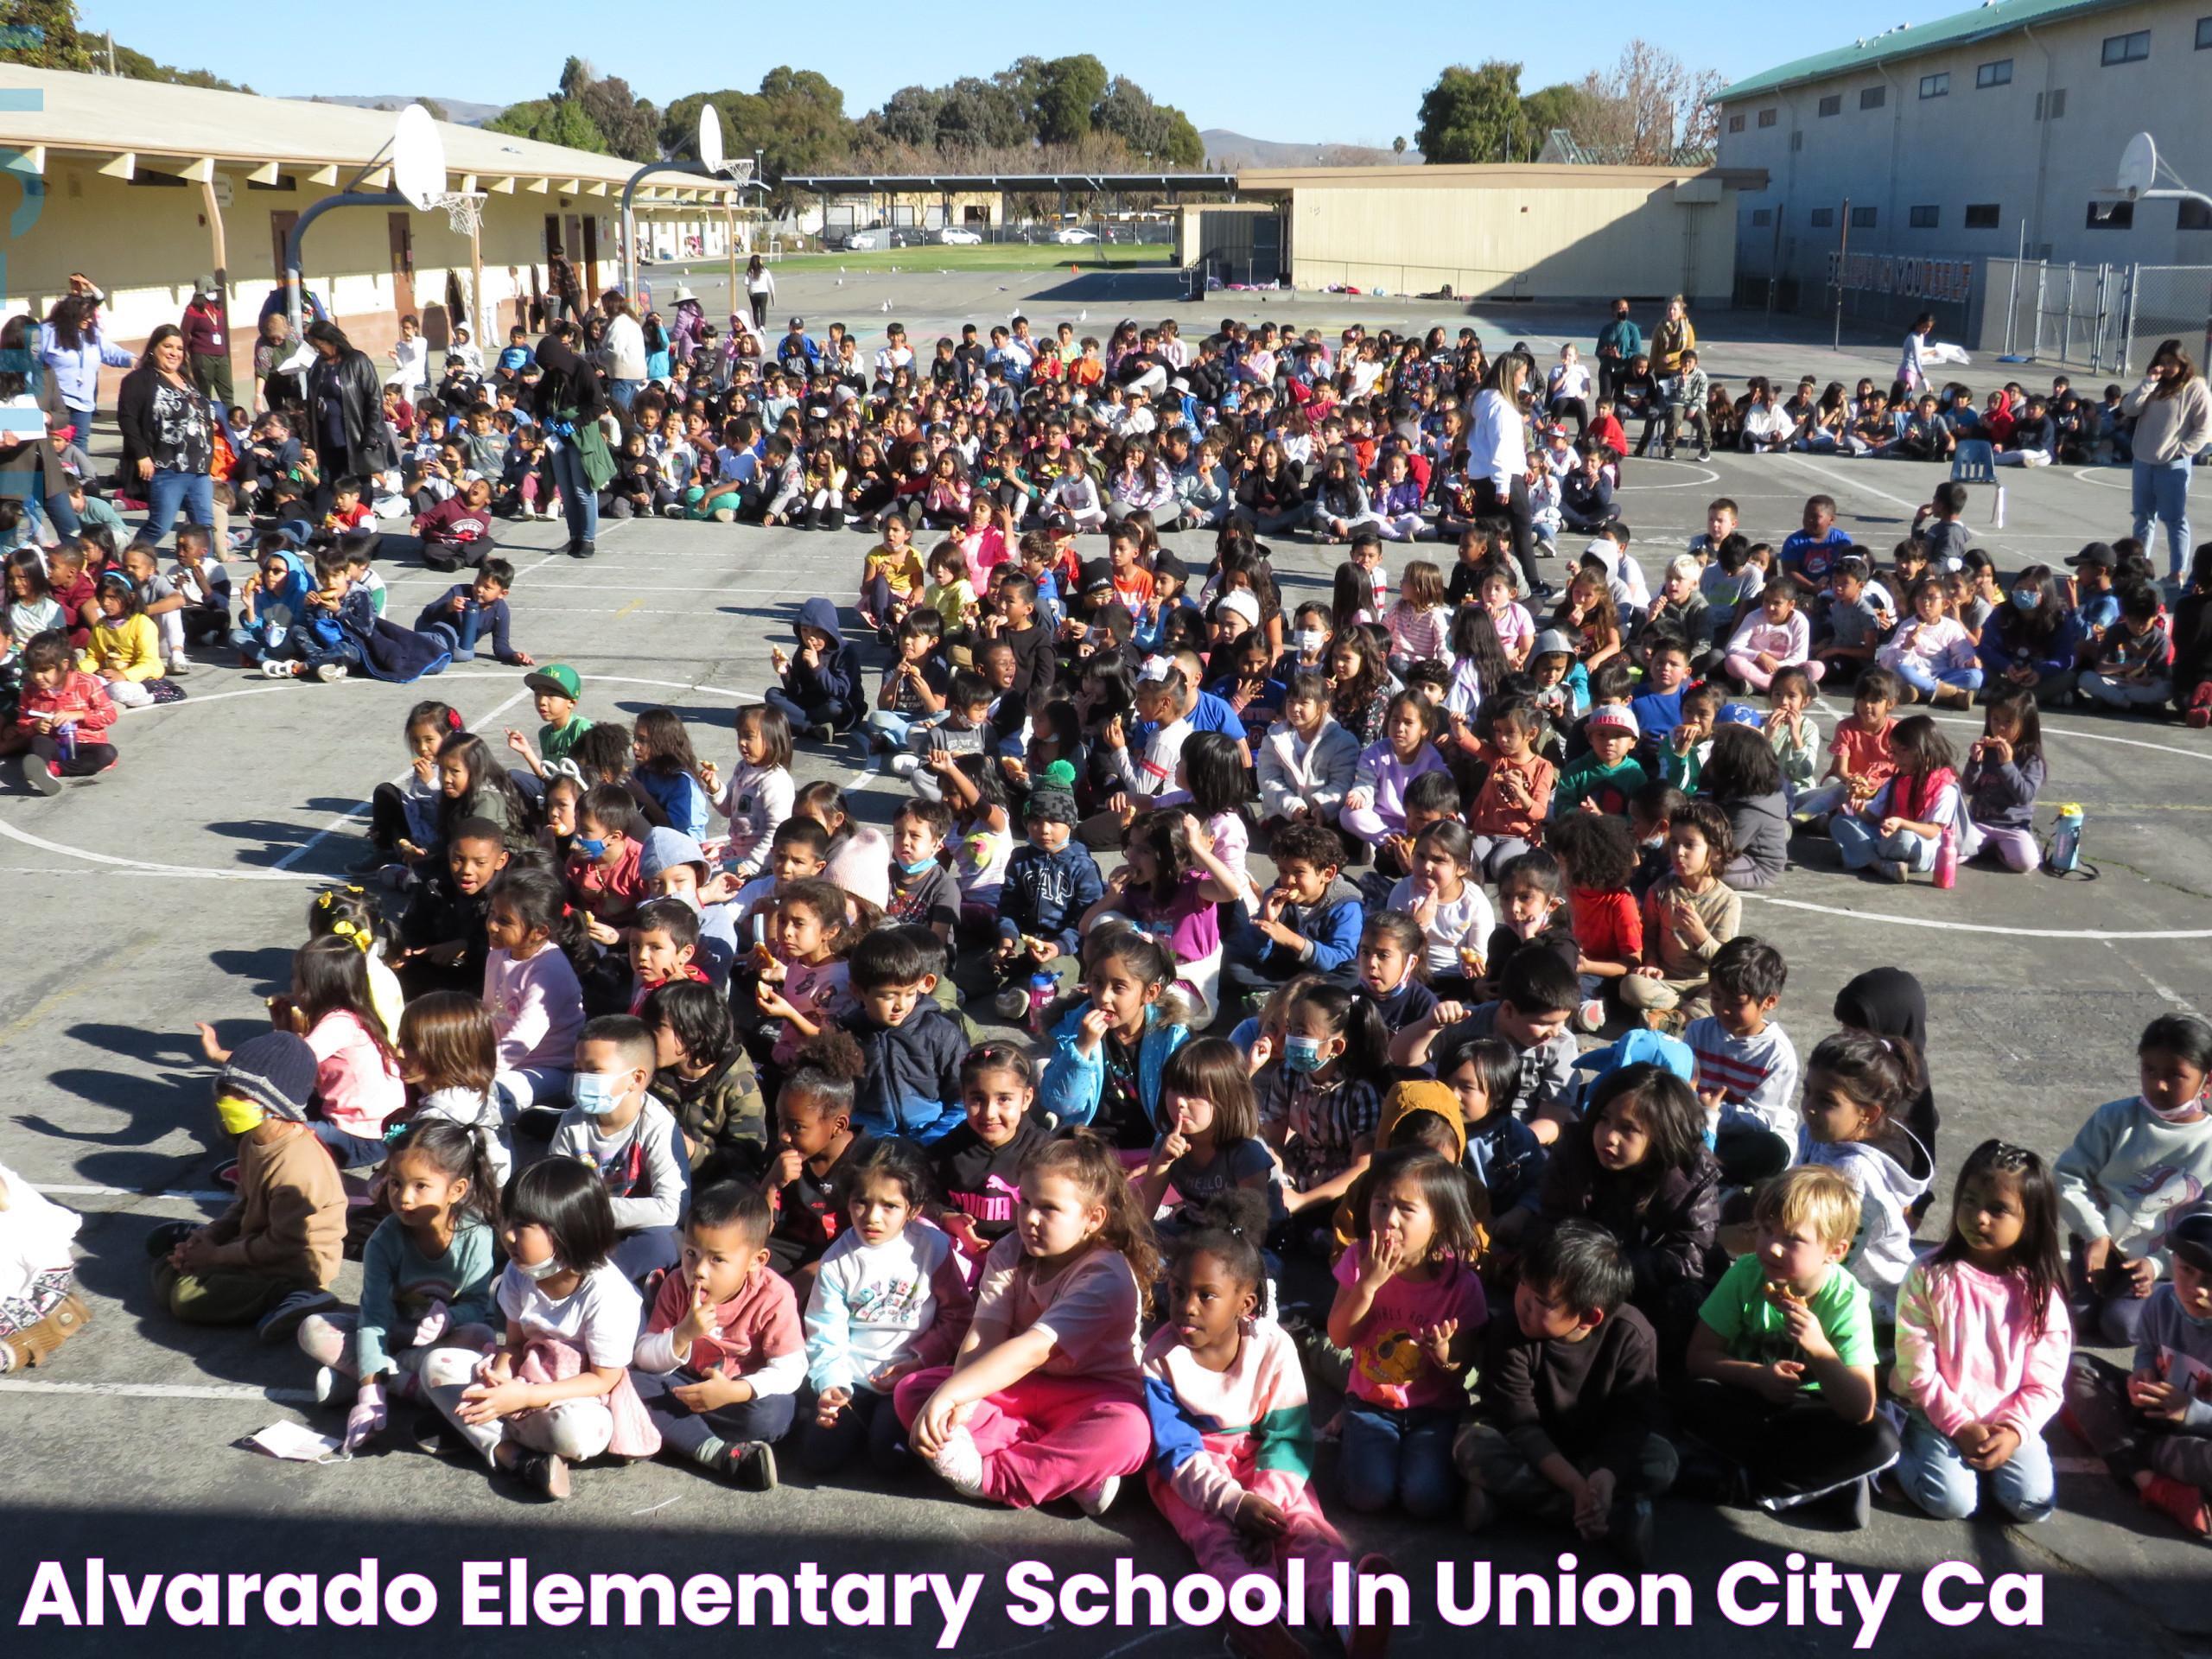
(1072, 238)
(953, 237)
(860, 241)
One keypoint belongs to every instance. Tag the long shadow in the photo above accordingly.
(270, 967)
(278, 840)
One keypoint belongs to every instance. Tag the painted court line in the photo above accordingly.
(181, 1197)
(1982, 927)
(159, 1391)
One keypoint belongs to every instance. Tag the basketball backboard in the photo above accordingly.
(710, 137)
(2139, 166)
(418, 158)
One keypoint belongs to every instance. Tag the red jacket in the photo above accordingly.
(207, 331)
(81, 698)
(452, 520)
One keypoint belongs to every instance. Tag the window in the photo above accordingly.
(285, 181)
(1824, 218)
(2058, 105)
(1832, 105)
(2128, 48)
(145, 179)
(1935, 86)
(1873, 98)
(2111, 215)
(1766, 117)
(2203, 33)
(2194, 216)
(1924, 219)
(1735, 124)
(1997, 74)
(1862, 219)
(1981, 216)
(1761, 216)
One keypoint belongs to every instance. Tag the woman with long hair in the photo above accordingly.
(169, 436)
(2173, 421)
(72, 351)
(1498, 458)
(759, 290)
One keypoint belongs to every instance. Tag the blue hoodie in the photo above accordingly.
(838, 678)
(1046, 894)
(912, 1086)
(1073, 1081)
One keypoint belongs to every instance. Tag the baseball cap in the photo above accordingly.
(1614, 716)
(2096, 553)
(1551, 642)
(2189, 1240)
(555, 680)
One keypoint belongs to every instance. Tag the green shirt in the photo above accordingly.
(1611, 787)
(1750, 1324)
(554, 742)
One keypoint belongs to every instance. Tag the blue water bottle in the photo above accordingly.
(1042, 989)
(2063, 856)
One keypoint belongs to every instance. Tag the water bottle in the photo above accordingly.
(2062, 854)
(1042, 989)
(1946, 859)
(65, 740)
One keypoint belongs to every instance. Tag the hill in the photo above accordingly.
(1223, 147)
(456, 108)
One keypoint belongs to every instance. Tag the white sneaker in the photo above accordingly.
(178, 666)
(325, 1384)
(279, 668)
(959, 1464)
(329, 672)
(1094, 1501)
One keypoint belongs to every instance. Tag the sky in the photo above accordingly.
(1286, 70)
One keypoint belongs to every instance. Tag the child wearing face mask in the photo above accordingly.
(614, 1125)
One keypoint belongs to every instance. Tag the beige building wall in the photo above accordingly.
(1535, 239)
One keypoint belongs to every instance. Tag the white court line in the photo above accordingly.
(1981, 927)
(2086, 737)
(1846, 480)
(1709, 476)
(159, 1391)
(133, 1193)
(2101, 477)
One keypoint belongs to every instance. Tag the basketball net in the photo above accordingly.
(464, 211)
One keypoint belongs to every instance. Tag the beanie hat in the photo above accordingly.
(664, 848)
(275, 1071)
(1050, 805)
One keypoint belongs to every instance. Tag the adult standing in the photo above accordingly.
(1672, 338)
(568, 405)
(1617, 341)
(1497, 459)
(71, 350)
(622, 352)
(346, 420)
(759, 290)
(1912, 364)
(207, 340)
(2173, 421)
(169, 436)
(564, 299)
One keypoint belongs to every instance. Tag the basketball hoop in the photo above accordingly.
(464, 210)
(738, 172)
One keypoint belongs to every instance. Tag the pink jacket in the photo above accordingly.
(358, 1087)
(536, 1006)
(1966, 1353)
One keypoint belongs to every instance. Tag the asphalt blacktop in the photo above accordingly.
(176, 888)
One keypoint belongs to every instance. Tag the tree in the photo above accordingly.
(1398, 145)
(976, 114)
(1068, 91)
(42, 34)
(1469, 114)
(437, 110)
(551, 121)
(629, 124)
(909, 117)
(1647, 106)
(575, 77)
(1557, 105)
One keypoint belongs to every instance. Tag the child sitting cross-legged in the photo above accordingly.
(722, 1358)
(914, 1047)
(1782, 1365)
(1569, 1427)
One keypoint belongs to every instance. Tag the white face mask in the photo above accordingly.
(2188, 1111)
(544, 1269)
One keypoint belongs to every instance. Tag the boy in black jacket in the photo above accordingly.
(913, 1046)
(1569, 1426)
(443, 928)
(820, 693)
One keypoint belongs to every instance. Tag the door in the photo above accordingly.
(591, 258)
(403, 261)
(280, 234)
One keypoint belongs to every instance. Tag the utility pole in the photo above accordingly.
(1842, 252)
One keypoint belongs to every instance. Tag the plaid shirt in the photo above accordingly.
(1319, 1121)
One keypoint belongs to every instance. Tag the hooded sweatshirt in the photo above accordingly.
(838, 677)
(912, 1086)
(1330, 926)
(2129, 1173)
(2172, 1344)
(1074, 1082)
(1044, 894)
(1891, 1174)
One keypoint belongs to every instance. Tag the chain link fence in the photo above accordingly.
(2107, 319)
(2170, 302)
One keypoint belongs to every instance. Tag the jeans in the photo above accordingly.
(2151, 692)
(193, 491)
(578, 500)
(1861, 845)
(2161, 493)
(623, 393)
(1936, 1476)
(637, 1254)
(1924, 680)
(681, 1429)
(870, 1420)
(352, 1151)
(1406, 1455)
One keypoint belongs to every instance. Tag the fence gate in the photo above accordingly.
(2168, 302)
(2071, 313)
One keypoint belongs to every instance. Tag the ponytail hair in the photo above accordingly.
(1879, 1074)
(331, 975)
(1366, 1041)
(1231, 1225)
(1147, 960)
(541, 904)
(1095, 1170)
(347, 912)
(462, 1153)
(827, 900)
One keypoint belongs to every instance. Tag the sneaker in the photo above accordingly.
(671, 511)
(178, 663)
(541, 1472)
(584, 550)
(274, 669)
(750, 1467)
(331, 1385)
(1705, 454)
(280, 1321)
(427, 1434)
(1858, 1503)
(1011, 1004)
(821, 731)
(1094, 1501)
(1892, 869)
(42, 776)
(326, 672)
(1590, 1016)
(166, 1238)
(959, 1464)
(2184, 1504)
(369, 862)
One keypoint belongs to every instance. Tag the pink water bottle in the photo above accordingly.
(1946, 859)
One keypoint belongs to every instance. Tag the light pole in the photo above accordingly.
(418, 177)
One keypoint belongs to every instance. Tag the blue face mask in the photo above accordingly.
(2026, 598)
(594, 1097)
(1302, 1054)
(591, 847)
(917, 866)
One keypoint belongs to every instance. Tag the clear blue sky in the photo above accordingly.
(1288, 70)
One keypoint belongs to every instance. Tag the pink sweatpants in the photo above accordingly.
(1748, 670)
(1220, 1548)
(1046, 1436)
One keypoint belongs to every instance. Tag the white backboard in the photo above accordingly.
(418, 158)
(710, 137)
(2139, 166)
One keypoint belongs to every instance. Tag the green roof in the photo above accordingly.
(1996, 17)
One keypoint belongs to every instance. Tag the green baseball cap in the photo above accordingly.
(555, 680)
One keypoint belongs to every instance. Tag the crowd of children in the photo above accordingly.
(655, 1105)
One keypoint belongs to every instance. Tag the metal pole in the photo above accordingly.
(1842, 253)
(293, 243)
(629, 219)
(2043, 272)
(1774, 259)
(2012, 295)
(2128, 335)
(2066, 331)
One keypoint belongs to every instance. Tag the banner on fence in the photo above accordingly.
(1911, 276)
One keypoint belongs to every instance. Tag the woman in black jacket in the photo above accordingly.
(346, 423)
(568, 405)
(168, 441)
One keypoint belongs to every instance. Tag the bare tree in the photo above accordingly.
(1647, 106)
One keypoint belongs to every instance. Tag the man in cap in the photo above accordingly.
(207, 328)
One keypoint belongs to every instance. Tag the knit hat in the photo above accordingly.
(1097, 576)
(1240, 602)
(1050, 806)
(862, 866)
(275, 1071)
(1165, 564)
(664, 848)
(1058, 774)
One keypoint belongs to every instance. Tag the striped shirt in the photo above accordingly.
(1757, 1075)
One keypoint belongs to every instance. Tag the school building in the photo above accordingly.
(1942, 150)
(146, 188)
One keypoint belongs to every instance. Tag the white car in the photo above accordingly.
(860, 241)
(1071, 238)
(953, 237)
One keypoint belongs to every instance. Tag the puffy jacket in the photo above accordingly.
(912, 1086)
(1317, 774)
(1074, 1080)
